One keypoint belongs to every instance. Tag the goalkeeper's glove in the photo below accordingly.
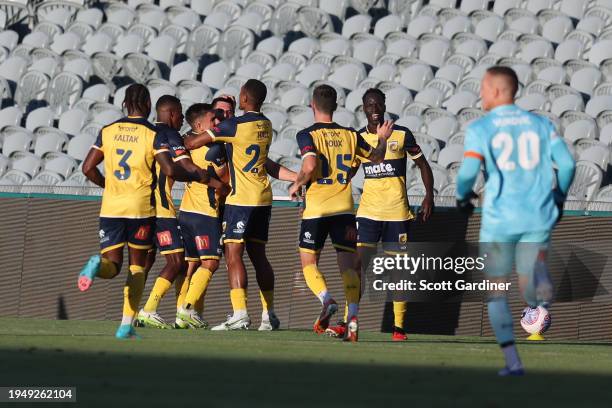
(465, 206)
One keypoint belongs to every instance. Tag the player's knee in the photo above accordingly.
(210, 264)
(176, 263)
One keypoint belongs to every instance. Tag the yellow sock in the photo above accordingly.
(157, 293)
(239, 299)
(181, 287)
(399, 312)
(199, 282)
(346, 311)
(352, 288)
(132, 291)
(108, 269)
(314, 279)
(267, 299)
(199, 304)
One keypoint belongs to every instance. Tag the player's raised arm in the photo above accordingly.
(472, 158)
(90, 164)
(309, 162)
(223, 132)
(383, 132)
(279, 171)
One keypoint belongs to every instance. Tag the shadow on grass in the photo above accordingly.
(107, 380)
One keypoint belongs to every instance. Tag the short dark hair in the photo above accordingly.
(374, 92)
(167, 101)
(197, 110)
(256, 90)
(225, 99)
(137, 99)
(324, 97)
(508, 74)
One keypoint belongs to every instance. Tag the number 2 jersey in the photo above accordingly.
(329, 191)
(247, 140)
(384, 195)
(129, 146)
(515, 146)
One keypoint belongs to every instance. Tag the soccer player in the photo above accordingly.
(225, 105)
(169, 240)
(384, 212)
(248, 207)
(517, 149)
(199, 216)
(328, 152)
(129, 147)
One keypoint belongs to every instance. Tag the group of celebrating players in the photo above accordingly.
(142, 160)
(227, 202)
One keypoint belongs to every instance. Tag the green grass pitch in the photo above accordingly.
(177, 368)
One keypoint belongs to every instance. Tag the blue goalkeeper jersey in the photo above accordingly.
(515, 147)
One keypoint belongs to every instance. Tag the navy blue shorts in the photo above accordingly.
(393, 234)
(116, 232)
(340, 228)
(242, 223)
(202, 236)
(169, 238)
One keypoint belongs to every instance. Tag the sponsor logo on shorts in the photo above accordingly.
(103, 237)
(308, 238)
(402, 238)
(143, 232)
(164, 238)
(223, 226)
(239, 227)
(202, 242)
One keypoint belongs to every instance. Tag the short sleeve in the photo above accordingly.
(160, 143)
(552, 132)
(176, 146)
(216, 155)
(306, 144)
(364, 149)
(224, 131)
(472, 146)
(98, 143)
(410, 145)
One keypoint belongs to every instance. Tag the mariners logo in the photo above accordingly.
(308, 238)
(393, 146)
(102, 236)
(239, 227)
(402, 238)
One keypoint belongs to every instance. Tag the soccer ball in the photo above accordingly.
(535, 320)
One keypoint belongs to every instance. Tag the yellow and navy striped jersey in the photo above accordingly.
(164, 206)
(247, 140)
(129, 146)
(336, 147)
(384, 189)
(200, 198)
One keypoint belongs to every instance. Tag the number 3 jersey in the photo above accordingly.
(129, 147)
(515, 146)
(384, 195)
(336, 147)
(247, 140)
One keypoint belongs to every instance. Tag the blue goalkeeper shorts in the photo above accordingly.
(501, 251)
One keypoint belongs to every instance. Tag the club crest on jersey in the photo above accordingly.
(202, 242)
(402, 238)
(308, 238)
(393, 145)
(164, 238)
(143, 232)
